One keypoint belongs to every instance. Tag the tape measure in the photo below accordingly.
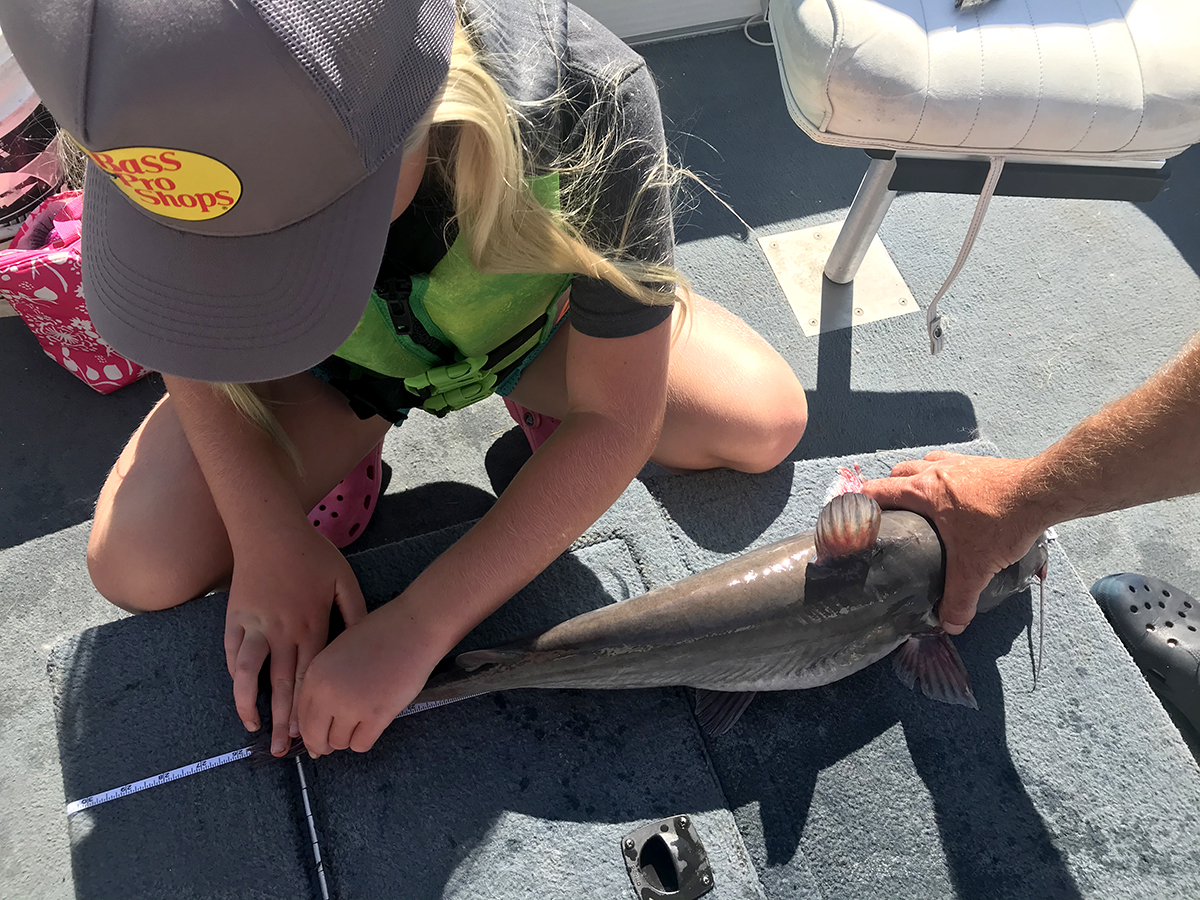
(174, 775)
(212, 762)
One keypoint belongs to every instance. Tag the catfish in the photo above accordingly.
(799, 613)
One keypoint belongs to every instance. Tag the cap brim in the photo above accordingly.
(243, 309)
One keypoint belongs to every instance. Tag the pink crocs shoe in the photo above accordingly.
(536, 426)
(347, 509)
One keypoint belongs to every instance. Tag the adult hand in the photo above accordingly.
(981, 509)
(279, 601)
(359, 683)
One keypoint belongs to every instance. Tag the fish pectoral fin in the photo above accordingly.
(718, 711)
(932, 661)
(846, 526)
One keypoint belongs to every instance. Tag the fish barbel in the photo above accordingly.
(802, 612)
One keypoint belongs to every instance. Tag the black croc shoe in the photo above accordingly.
(1160, 626)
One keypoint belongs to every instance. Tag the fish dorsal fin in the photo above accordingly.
(718, 711)
(847, 525)
(931, 661)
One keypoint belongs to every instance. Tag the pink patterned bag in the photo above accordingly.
(40, 278)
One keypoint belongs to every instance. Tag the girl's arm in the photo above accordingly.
(617, 395)
(1141, 448)
(285, 575)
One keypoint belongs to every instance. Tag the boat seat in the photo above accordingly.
(1046, 98)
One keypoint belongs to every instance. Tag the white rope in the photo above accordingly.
(933, 322)
(759, 19)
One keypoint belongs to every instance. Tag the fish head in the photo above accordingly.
(1017, 577)
(887, 566)
(909, 569)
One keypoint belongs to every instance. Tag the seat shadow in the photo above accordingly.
(995, 842)
(58, 437)
(843, 421)
(1177, 209)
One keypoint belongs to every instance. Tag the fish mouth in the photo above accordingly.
(1041, 549)
(1020, 575)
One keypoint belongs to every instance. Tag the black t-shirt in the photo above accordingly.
(536, 48)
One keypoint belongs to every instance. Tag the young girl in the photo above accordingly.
(537, 148)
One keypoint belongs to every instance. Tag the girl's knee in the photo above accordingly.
(132, 579)
(777, 424)
(777, 436)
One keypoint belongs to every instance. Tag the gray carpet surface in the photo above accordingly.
(859, 790)
(493, 797)
(145, 695)
(1063, 306)
(865, 789)
(528, 793)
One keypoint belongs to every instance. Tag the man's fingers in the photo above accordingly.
(283, 677)
(961, 596)
(910, 467)
(897, 493)
(935, 455)
(349, 598)
(249, 663)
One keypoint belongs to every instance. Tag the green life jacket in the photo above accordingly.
(486, 323)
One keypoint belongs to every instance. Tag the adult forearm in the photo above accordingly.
(247, 472)
(1141, 448)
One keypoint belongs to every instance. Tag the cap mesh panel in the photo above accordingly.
(378, 63)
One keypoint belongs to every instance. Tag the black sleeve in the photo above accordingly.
(621, 104)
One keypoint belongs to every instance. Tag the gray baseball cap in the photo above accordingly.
(244, 160)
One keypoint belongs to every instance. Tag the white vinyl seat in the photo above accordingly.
(1048, 98)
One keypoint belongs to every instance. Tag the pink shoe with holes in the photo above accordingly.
(536, 426)
(347, 509)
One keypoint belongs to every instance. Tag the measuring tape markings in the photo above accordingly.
(154, 781)
(211, 763)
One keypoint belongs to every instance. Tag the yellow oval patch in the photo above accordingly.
(175, 183)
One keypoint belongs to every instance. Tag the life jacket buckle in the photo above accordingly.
(453, 386)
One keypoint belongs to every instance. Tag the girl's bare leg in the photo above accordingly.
(732, 400)
(157, 539)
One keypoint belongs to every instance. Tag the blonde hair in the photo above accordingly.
(476, 151)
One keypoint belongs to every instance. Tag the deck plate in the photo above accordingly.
(798, 260)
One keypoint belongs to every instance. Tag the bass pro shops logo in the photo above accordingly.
(175, 183)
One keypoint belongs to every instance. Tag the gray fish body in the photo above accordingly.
(775, 618)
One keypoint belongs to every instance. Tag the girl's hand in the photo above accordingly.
(359, 683)
(279, 602)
